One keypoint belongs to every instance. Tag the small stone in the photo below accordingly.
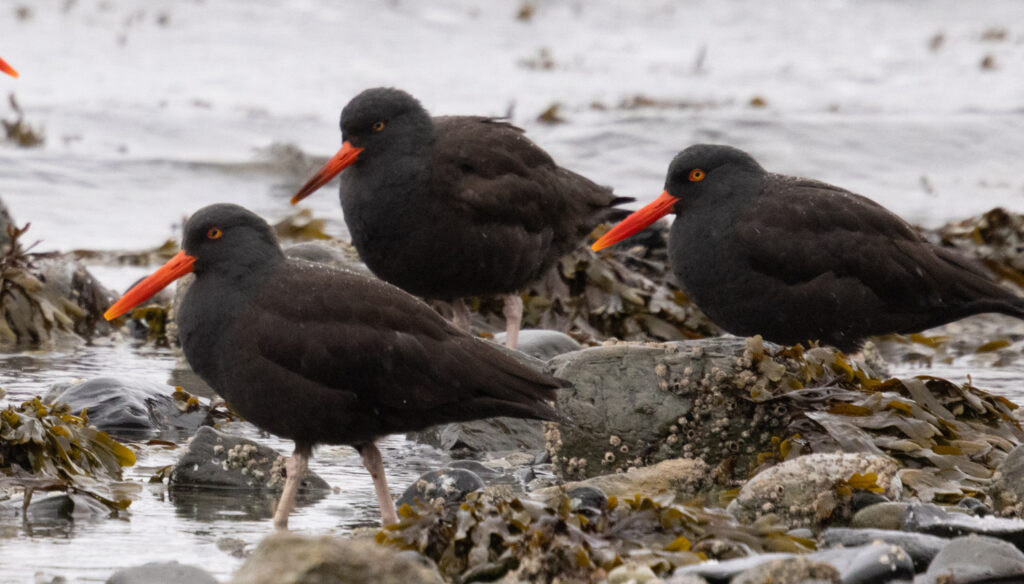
(447, 485)
(881, 516)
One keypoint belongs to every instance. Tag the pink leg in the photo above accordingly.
(513, 317)
(373, 463)
(460, 314)
(295, 469)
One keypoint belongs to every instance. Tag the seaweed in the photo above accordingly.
(47, 447)
(487, 537)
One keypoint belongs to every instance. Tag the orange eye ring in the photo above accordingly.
(697, 174)
(214, 233)
(378, 126)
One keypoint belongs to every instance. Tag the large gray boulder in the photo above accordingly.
(635, 404)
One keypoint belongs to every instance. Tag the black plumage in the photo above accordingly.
(795, 259)
(320, 355)
(455, 206)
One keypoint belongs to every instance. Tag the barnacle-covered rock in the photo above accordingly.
(742, 405)
(815, 489)
(221, 461)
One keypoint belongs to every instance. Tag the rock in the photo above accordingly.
(724, 572)
(921, 548)
(974, 507)
(794, 570)
(66, 507)
(887, 516)
(542, 344)
(1007, 490)
(680, 479)
(76, 284)
(444, 486)
(934, 520)
(162, 573)
(804, 491)
(587, 499)
(973, 558)
(479, 436)
(221, 461)
(874, 563)
(132, 409)
(631, 573)
(287, 558)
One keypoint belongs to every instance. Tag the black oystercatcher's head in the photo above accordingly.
(7, 68)
(699, 171)
(374, 122)
(218, 238)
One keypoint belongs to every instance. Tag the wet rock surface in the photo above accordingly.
(1007, 490)
(162, 573)
(973, 559)
(214, 460)
(921, 548)
(479, 436)
(441, 487)
(67, 507)
(932, 519)
(296, 559)
(133, 409)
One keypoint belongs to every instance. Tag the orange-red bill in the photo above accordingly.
(7, 68)
(638, 220)
(175, 268)
(339, 162)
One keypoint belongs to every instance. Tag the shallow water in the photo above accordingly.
(152, 110)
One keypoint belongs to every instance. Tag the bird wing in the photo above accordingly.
(495, 173)
(385, 348)
(809, 230)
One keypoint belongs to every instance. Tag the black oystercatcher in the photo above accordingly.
(456, 206)
(7, 68)
(320, 355)
(795, 259)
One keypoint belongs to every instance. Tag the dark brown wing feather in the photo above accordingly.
(385, 354)
(807, 231)
(494, 172)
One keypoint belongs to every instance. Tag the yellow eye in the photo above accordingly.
(378, 126)
(696, 175)
(214, 233)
